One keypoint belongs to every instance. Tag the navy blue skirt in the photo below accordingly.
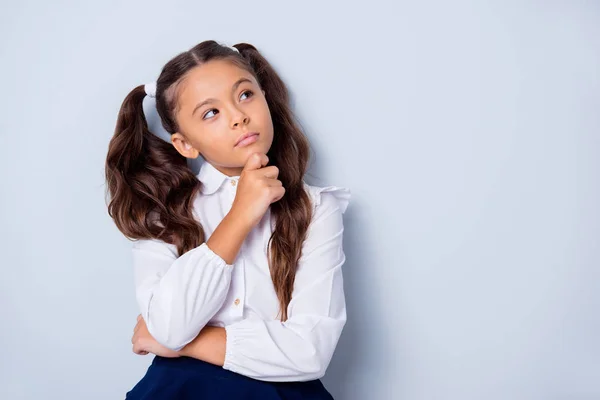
(186, 378)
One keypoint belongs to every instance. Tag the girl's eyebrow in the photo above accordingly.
(233, 88)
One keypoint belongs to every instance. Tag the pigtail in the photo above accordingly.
(150, 184)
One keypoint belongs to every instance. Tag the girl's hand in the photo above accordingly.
(258, 187)
(144, 343)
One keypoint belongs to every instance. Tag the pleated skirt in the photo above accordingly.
(186, 378)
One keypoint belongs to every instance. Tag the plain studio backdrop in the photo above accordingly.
(468, 132)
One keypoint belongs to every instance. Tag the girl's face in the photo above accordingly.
(218, 102)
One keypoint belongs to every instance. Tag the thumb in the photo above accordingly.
(256, 161)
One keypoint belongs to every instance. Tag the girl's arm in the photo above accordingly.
(300, 348)
(208, 346)
(177, 296)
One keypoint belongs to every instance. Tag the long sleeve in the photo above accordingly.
(177, 296)
(301, 348)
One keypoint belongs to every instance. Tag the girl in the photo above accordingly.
(238, 269)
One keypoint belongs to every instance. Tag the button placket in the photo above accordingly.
(237, 303)
(238, 289)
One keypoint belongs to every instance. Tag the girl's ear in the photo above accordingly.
(183, 146)
(263, 92)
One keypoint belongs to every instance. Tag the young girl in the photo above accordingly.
(238, 269)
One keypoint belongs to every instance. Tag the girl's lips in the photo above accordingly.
(248, 140)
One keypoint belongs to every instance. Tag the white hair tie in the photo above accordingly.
(231, 47)
(151, 115)
(150, 89)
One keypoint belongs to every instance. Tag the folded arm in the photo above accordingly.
(300, 348)
(178, 296)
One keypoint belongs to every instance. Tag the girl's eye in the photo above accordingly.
(248, 91)
(214, 109)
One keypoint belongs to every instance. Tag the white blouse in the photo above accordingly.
(178, 296)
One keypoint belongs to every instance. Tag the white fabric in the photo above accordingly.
(179, 296)
(150, 89)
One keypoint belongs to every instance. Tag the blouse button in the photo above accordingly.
(232, 182)
(237, 301)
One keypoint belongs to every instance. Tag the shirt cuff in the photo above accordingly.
(235, 335)
(211, 255)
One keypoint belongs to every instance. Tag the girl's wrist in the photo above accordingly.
(240, 219)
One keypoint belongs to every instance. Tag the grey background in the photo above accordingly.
(467, 131)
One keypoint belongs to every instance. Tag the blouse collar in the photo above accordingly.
(212, 178)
